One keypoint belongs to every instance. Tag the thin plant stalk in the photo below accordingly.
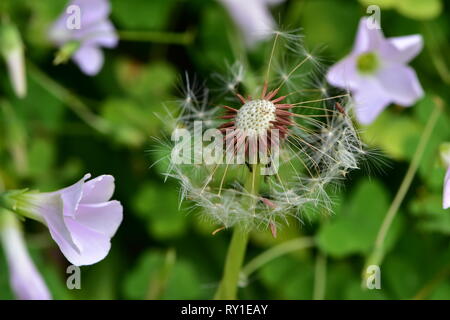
(70, 99)
(184, 38)
(276, 252)
(378, 252)
(158, 285)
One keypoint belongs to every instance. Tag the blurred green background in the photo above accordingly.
(162, 251)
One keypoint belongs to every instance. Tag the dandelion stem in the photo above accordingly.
(275, 252)
(184, 38)
(378, 252)
(236, 251)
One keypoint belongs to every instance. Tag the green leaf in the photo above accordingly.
(354, 291)
(414, 9)
(143, 14)
(414, 264)
(383, 4)
(392, 132)
(214, 46)
(5, 290)
(330, 30)
(39, 108)
(182, 281)
(154, 81)
(420, 9)
(41, 157)
(129, 119)
(159, 206)
(288, 278)
(354, 229)
(430, 214)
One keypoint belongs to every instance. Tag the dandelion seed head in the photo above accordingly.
(255, 117)
(318, 143)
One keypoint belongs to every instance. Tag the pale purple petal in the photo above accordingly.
(446, 196)
(59, 33)
(401, 84)
(26, 281)
(92, 10)
(253, 18)
(51, 209)
(89, 59)
(343, 74)
(71, 196)
(370, 100)
(104, 218)
(408, 47)
(93, 246)
(98, 190)
(102, 34)
(367, 39)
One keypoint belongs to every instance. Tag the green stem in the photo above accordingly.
(432, 284)
(275, 252)
(378, 253)
(235, 257)
(158, 285)
(236, 251)
(184, 38)
(71, 100)
(320, 277)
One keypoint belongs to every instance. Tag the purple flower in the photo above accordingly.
(252, 17)
(95, 31)
(376, 72)
(26, 282)
(446, 197)
(80, 218)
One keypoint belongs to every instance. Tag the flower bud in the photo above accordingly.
(66, 52)
(11, 48)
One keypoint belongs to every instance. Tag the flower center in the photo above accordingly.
(255, 117)
(367, 63)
